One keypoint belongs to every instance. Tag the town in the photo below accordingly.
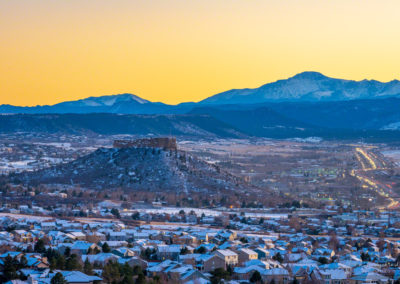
(279, 211)
(199, 142)
(155, 244)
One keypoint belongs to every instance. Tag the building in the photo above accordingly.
(231, 258)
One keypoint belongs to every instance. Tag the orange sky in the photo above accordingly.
(186, 50)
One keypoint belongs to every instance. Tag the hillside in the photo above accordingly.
(355, 119)
(146, 169)
(377, 119)
(177, 125)
(260, 121)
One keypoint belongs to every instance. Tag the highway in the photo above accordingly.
(369, 161)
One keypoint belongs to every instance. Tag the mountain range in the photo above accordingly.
(307, 104)
(303, 87)
(123, 103)
(308, 87)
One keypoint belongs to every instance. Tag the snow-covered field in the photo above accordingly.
(16, 166)
(209, 212)
(394, 155)
(56, 144)
(28, 165)
(26, 217)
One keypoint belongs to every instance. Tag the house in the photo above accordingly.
(48, 226)
(294, 257)
(77, 236)
(244, 273)
(115, 244)
(100, 258)
(134, 261)
(117, 236)
(161, 267)
(164, 252)
(369, 277)
(175, 273)
(78, 247)
(334, 276)
(231, 258)
(35, 260)
(124, 252)
(185, 239)
(77, 277)
(209, 263)
(95, 236)
(246, 254)
(201, 237)
(278, 275)
(224, 236)
(108, 204)
(22, 236)
(193, 276)
(82, 247)
(12, 254)
(73, 277)
(335, 265)
(262, 253)
(207, 247)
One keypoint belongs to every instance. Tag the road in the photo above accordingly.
(369, 161)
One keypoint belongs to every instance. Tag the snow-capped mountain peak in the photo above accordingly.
(308, 86)
(106, 100)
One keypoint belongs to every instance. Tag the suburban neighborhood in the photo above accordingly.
(159, 245)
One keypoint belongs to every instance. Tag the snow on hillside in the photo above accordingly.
(392, 126)
(308, 86)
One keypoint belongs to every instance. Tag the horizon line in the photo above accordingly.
(188, 102)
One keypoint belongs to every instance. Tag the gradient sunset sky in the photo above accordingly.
(177, 51)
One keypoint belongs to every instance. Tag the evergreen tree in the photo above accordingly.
(201, 250)
(127, 270)
(39, 246)
(73, 263)
(137, 270)
(255, 277)
(323, 260)
(127, 280)
(365, 257)
(10, 269)
(278, 257)
(105, 248)
(218, 274)
(67, 251)
(58, 279)
(128, 273)
(141, 279)
(111, 273)
(23, 262)
(87, 267)
(60, 262)
(53, 263)
(115, 212)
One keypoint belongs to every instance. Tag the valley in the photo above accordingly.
(312, 171)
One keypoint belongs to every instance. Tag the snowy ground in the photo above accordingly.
(394, 155)
(207, 212)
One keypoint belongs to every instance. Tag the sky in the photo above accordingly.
(186, 50)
